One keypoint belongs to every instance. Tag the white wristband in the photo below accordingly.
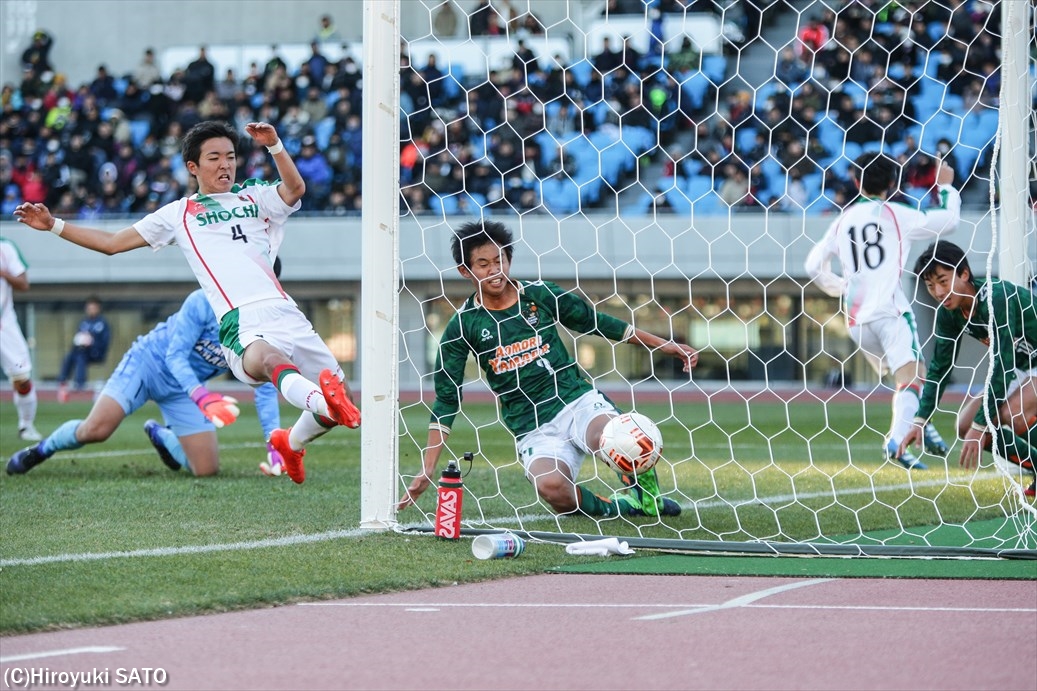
(276, 148)
(978, 427)
(58, 226)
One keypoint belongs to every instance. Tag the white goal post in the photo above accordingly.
(769, 455)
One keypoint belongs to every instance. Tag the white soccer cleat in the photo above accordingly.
(29, 433)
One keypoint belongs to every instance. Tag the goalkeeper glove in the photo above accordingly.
(274, 464)
(221, 410)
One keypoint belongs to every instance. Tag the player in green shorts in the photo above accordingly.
(555, 414)
(982, 308)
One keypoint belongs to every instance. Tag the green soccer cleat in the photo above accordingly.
(644, 490)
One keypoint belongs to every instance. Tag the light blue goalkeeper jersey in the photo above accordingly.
(184, 351)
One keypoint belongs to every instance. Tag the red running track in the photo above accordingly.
(582, 632)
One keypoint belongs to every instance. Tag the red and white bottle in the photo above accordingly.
(449, 501)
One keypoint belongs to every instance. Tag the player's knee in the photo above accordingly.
(22, 386)
(205, 470)
(557, 491)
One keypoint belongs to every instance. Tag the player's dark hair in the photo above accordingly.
(191, 148)
(474, 234)
(876, 172)
(942, 254)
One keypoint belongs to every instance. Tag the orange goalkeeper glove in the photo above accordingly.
(221, 410)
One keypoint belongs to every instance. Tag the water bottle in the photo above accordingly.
(449, 501)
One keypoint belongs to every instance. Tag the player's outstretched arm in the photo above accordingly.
(682, 351)
(38, 217)
(421, 482)
(292, 186)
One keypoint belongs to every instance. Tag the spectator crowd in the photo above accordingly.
(111, 146)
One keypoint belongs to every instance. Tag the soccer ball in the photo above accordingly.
(630, 444)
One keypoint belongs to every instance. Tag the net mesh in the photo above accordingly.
(671, 163)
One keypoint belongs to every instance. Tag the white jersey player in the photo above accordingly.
(872, 240)
(230, 234)
(15, 359)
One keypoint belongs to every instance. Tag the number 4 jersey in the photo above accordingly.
(230, 241)
(872, 239)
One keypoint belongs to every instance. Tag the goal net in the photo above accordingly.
(671, 163)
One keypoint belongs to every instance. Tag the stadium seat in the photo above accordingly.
(581, 71)
(745, 138)
(678, 201)
(710, 205)
(763, 92)
(638, 139)
(642, 206)
(715, 67)
(139, 130)
(560, 195)
(830, 134)
(322, 132)
(694, 89)
(697, 186)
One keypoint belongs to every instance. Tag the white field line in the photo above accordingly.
(740, 601)
(430, 606)
(436, 606)
(291, 540)
(60, 653)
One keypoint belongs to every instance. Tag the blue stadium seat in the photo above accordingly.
(953, 103)
(830, 134)
(560, 195)
(139, 130)
(678, 201)
(323, 130)
(763, 92)
(710, 205)
(694, 89)
(857, 93)
(715, 67)
(640, 207)
(745, 138)
(638, 139)
(697, 186)
(443, 206)
(454, 84)
(582, 71)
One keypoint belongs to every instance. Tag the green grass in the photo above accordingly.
(118, 497)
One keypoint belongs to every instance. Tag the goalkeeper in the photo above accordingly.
(555, 414)
(168, 365)
(982, 308)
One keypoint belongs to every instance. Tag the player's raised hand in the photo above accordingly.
(944, 172)
(262, 132)
(219, 409)
(36, 216)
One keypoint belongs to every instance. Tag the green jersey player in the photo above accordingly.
(1003, 316)
(554, 413)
